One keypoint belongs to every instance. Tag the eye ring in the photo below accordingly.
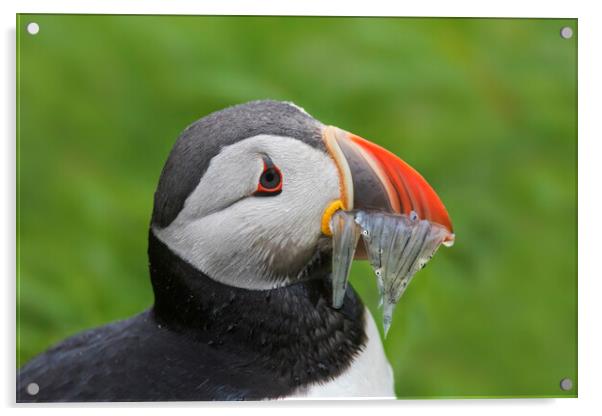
(270, 181)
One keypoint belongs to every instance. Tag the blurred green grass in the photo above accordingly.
(485, 109)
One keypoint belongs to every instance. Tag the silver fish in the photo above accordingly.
(398, 247)
(345, 236)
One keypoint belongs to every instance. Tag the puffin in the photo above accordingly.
(240, 256)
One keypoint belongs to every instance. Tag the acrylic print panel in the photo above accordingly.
(251, 220)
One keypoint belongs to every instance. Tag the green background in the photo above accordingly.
(485, 109)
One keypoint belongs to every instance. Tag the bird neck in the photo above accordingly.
(288, 329)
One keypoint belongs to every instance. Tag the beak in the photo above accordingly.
(374, 179)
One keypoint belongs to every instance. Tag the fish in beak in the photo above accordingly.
(400, 218)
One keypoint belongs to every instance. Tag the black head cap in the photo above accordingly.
(202, 140)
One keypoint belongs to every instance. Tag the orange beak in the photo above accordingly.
(372, 178)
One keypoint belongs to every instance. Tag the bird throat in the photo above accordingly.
(292, 331)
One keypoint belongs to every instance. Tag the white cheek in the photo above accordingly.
(248, 242)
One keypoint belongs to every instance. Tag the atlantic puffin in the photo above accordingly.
(239, 256)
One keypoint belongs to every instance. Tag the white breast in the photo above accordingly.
(370, 374)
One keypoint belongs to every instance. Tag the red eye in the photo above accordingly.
(270, 181)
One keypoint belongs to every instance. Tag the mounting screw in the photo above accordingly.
(33, 389)
(566, 32)
(33, 28)
(566, 384)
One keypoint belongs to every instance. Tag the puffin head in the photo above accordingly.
(247, 193)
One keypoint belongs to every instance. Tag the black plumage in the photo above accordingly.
(203, 340)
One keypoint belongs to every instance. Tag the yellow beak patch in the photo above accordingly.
(328, 213)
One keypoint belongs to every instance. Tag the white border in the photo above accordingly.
(590, 219)
(508, 8)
